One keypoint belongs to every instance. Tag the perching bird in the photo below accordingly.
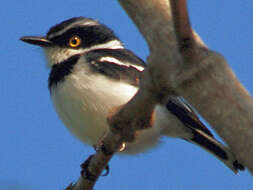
(92, 72)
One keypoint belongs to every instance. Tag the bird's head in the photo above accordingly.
(74, 36)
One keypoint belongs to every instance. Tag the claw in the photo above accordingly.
(122, 147)
(107, 171)
(238, 166)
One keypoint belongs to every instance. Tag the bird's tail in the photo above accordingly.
(199, 133)
(220, 151)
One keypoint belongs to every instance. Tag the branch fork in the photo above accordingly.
(179, 64)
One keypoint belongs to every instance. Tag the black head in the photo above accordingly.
(85, 31)
(74, 36)
(78, 32)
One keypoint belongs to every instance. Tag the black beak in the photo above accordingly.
(37, 40)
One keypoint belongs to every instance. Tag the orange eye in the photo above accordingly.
(74, 41)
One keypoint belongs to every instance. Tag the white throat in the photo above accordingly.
(55, 55)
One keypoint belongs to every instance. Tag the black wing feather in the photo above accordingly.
(128, 73)
(186, 115)
(125, 72)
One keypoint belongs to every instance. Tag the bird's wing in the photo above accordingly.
(201, 135)
(118, 64)
(178, 107)
(123, 65)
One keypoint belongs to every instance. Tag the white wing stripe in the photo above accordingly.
(116, 61)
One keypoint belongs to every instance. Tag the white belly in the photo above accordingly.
(83, 108)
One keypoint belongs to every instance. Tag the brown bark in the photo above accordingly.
(180, 63)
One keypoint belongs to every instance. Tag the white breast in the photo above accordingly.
(83, 101)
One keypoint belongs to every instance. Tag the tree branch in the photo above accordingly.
(212, 87)
(195, 72)
(179, 63)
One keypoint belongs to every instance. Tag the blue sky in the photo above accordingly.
(37, 152)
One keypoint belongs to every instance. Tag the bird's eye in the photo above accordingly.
(74, 41)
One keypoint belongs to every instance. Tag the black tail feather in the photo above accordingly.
(209, 145)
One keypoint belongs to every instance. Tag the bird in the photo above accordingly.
(91, 72)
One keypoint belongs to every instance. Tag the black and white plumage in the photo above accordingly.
(91, 72)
